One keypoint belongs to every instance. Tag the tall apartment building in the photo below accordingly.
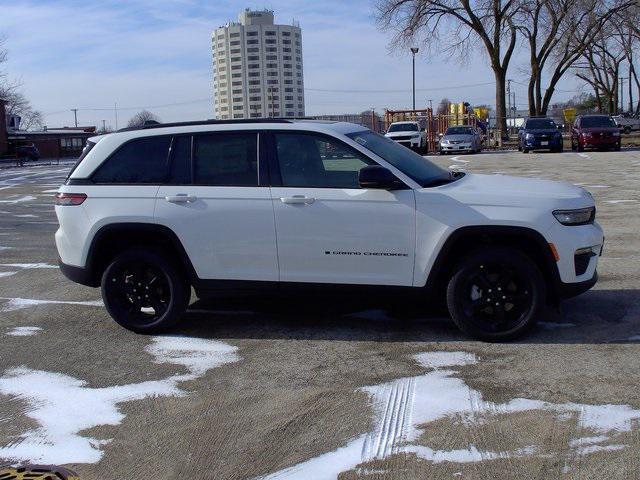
(257, 68)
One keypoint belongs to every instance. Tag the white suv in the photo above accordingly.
(149, 213)
(408, 134)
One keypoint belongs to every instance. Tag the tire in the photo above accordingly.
(525, 150)
(579, 148)
(618, 147)
(158, 279)
(573, 146)
(497, 275)
(627, 129)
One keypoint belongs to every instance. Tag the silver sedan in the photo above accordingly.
(461, 139)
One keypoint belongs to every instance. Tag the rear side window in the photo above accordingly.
(139, 161)
(227, 159)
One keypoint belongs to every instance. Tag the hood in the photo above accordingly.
(503, 190)
(459, 137)
(544, 131)
(600, 130)
(404, 133)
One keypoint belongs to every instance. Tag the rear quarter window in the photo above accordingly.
(139, 161)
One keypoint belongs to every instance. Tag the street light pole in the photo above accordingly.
(75, 115)
(414, 50)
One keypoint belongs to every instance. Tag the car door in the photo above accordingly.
(218, 207)
(329, 230)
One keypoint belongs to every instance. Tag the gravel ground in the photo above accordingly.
(244, 390)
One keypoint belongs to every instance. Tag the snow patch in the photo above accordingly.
(26, 198)
(7, 274)
(28, 265)
(13, 304)
(402, 406)
(613, 202)
(64, 406)
(23, 331)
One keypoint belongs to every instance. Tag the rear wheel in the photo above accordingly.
(495, 294)
(144, 292)
(525, 150)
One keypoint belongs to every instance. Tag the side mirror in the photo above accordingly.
(376, 176)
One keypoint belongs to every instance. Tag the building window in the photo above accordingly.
(236, 59)
(290, 114)
(288, 89)
(271, 49)
(238, 107)
(253, 58)
(286, 42)
(253, 66)
(272, 74)
(287, 74)
(288, 82)
(270, 41)
(234, 51)
(255, 99)
(272, 57)
(234, 43)
(237, 91)
(234, 35)
(254, 82)
(253, 50)
(236, 67)
(236, 84)
(236, 75)
(254, 74)
(269, 33)
(252, 42)
(286, 49)
(272, 82)
(254, 90)
(252, 34)
(286, 34)
(286, 57)
(272, 65)
(238, 115)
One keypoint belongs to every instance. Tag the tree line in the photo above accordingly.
(592, 39)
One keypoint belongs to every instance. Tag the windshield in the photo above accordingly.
(403, 127)
(591, 122)
(459, 131)
(408, 162)
(541, 124)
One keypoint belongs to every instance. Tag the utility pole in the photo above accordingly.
(622, 79)
(104, 127)
(414, 50)
(431, 104)
(115, 109)
(75, 115)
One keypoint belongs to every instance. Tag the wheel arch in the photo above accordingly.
(527, 240)
(114, 238)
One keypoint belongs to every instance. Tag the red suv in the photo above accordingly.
(596, 131)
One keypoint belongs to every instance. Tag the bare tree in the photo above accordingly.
(443, 106)
(456, 26)
(17, 103)
(558, 32)
(139, 119)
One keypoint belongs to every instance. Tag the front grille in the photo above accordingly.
(397, 139)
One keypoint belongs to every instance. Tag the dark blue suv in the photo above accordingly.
(540, 134)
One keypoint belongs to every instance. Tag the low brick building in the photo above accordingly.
(55, 142)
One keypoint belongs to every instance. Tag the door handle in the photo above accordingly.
(297, 199)
(181, 198)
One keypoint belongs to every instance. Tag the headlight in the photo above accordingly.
(415, 135)
(529, 136)
(444, 142)
(580, 216)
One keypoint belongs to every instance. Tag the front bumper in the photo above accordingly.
(570, 290)
(599, 142)
(538, 143)
(568, 240)
(456, 147)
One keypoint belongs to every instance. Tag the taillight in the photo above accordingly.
(70, 198)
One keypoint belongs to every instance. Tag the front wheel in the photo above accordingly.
(144, 292)
(495, 294)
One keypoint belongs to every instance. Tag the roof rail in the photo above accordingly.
(149, 125)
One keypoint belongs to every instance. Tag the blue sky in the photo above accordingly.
(156, 54)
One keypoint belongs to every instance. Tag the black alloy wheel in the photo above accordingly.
(495, 294)
(144, 292)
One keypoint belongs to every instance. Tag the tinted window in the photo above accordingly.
(403, 127)
(226, 159)
(595, 122)
(540, 124)
(317, 161)
(139, 161)
(180, 167)
(408, 162)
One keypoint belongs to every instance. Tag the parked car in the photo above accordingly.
(595, 131)
(408, 134)
(149, 213)
(29, 151)
(627, 123)
(461, 138)
(540, 133)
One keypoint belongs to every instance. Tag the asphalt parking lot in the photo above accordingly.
(239, 392)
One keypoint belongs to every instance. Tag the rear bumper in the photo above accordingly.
(78, 274)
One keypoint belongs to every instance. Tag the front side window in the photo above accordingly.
(308, 160)
(140, 161)
(226, 159)
(418, 168)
